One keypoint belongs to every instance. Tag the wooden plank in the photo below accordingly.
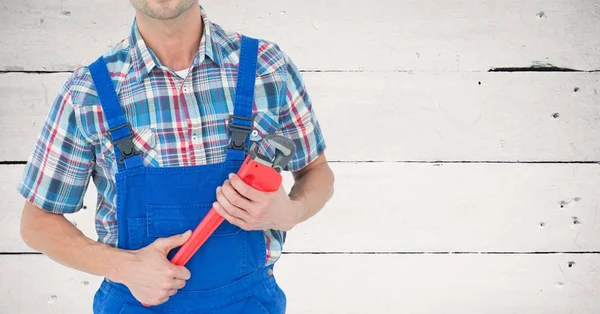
(360, 284)
(399, 116)
(12, 206)
(390, 207)
(26, 100)
(385, 35)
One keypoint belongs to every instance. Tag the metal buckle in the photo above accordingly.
(239, 133)
(125, 145)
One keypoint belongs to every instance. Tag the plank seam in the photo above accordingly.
(499, 69)
(536, 68)
(444, 253)
(471, 161)
(398, 253)
(435, 162)
(34, 72)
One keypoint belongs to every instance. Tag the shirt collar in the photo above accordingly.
(144, 60)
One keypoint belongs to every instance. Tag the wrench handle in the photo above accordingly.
(205, 228)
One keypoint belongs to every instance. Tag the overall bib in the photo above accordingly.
(228, 273)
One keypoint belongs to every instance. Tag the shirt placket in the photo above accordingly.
(189, 102)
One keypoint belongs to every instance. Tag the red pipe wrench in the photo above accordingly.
(259, 172)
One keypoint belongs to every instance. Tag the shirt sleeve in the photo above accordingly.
(59, 167)
(298, 119)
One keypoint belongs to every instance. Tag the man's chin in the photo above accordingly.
(162, 13)
(163, 9)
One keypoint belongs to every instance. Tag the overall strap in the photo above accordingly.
(120, 132)
(240, 123)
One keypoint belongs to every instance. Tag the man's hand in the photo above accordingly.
(150, 276)
(251, 209)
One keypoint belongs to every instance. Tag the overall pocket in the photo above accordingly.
(222, 259)
(168, 220)
(165, 220)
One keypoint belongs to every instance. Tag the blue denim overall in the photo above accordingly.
(228, 273)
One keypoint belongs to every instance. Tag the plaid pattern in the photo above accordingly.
(176, 121)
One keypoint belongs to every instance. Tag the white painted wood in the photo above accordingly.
(414, 87)
(457, 208)
(391, 207)
(11, 206)
(26, 100)
(384, 35)
(398, 116)
(359, 284)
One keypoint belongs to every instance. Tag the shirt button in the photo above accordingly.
(195, 139)
(185, 89)
(254, 132)
(270, 272)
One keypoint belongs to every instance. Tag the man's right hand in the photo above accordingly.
(147, 272)
(150, 276)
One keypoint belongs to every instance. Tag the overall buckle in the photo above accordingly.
(125, 145)
(239, 132)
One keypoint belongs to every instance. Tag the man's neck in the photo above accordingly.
(174, 42)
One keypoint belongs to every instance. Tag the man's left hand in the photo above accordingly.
(251, 209)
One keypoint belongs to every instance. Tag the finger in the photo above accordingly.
(181, 272)
(233, 220)
(231, 209)
(178, 284)
(172, 292)
(235, 198)
(166, 244)
(245, 190)
(162, 300)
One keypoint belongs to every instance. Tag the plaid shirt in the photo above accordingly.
(176, 121)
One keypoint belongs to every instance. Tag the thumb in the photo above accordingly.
(166, 244)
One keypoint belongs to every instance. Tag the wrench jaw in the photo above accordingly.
(284, 152)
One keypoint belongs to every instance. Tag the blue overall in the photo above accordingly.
(228, 273)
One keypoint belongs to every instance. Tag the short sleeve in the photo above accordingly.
(298, 119)
(59, 167)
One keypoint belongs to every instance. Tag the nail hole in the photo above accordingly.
(52, 299)
(576, 221)
(571, 263)
(555, 115)
(479, 82)
(576, 89)
(542, 224)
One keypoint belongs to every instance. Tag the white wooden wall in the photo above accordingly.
(459, 189)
